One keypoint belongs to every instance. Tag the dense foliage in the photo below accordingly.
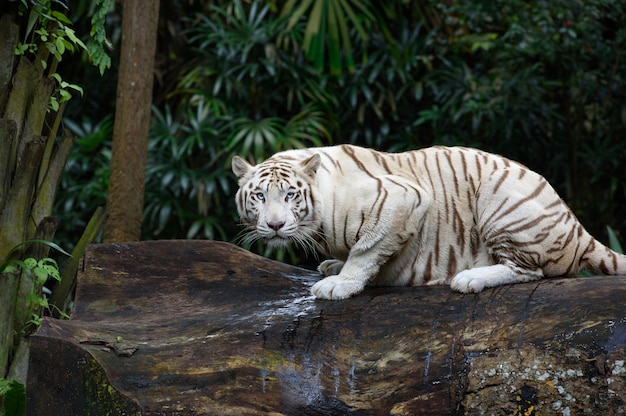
(540, 82)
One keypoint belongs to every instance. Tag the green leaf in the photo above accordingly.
(30, 263)
(98, 56)
(614, 243)
(33, 17)
(69, 32)
(327, 24)
(61, 17)
(54, 104)
(57, 77)
(334, 47)
(54, 51)
(41, 275)
(60, 45)
(347, 47)
(75, 87)
(295, 15)
(356, 20)
(47, 261)
(11, 265)
(5, 386)
(65, 96)
(8, 268)
(15, 400)
(53, 271)
(21, 48)
(36, 320)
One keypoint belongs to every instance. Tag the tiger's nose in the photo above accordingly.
(276, 225)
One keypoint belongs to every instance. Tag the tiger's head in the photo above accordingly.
(276, 200)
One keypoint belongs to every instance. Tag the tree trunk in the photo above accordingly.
(32, 159)
(132, 120)
(206, 328)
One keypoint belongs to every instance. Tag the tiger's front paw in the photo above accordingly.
(330, 267)
(336, 288)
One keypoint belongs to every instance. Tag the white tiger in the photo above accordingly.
(454, 215)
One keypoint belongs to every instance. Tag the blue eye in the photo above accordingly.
(260, 196)
(290, 195)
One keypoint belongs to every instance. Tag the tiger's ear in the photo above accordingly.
(240, 167)
(310, 166)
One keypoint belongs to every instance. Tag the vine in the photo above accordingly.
(57, 37)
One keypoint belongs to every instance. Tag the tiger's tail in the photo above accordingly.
(598, 258)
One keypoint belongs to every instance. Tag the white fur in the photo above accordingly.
(454, 216)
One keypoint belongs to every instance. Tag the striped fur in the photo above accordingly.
(439, 215)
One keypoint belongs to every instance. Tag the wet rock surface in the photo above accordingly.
(206, 328)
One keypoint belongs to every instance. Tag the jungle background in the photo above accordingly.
(540, 82)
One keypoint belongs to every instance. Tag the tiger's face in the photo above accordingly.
(276, 201)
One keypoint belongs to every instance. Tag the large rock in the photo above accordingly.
(206, 328)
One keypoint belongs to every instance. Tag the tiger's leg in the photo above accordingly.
(521, 221)
(394, 218)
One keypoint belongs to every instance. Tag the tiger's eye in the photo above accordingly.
(260, 196)
(290, 195)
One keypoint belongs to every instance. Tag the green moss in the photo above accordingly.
(101, 398)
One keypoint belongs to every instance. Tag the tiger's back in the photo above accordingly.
(447, 241)
(430, 216)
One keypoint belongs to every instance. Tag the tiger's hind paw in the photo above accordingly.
(336, 288)
(476, 279)
(467, 281)
(330, 267)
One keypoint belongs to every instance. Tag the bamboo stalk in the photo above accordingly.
(14, 216)
(9, 33)
(36, 111)
(63, 290)
(8, 295)
(8, 130)
(50, 179)
(18, 370)
(50, 146)
(21, 93)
